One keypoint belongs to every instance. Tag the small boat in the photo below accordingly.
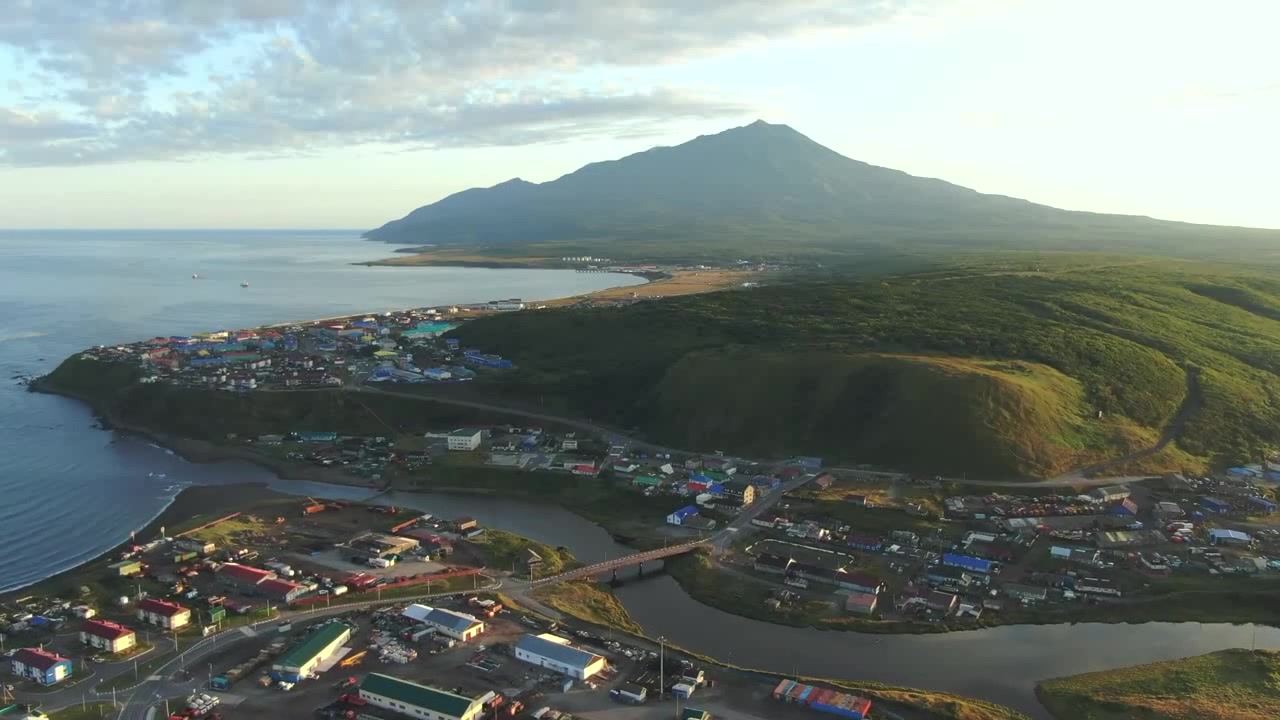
(195, 276)
(157, 476)
(244, 283)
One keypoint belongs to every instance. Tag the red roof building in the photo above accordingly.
(283, 590)
(243, 575)
(163, 613)
(36, 658)
(106, 635)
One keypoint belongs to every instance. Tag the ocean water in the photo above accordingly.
(69, 491)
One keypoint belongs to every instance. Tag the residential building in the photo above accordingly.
(418, 701)
(108, 636)
(679, 516)
(464, 439)
(861, 603)
(163, 613)
(741, 491)
(555, 653)
(456, 625)
(305, 657)
(42, 666)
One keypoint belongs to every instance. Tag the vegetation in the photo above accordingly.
(505, 551)
(1234, 684)
(589, 601)
(768, 191)
(999, 369)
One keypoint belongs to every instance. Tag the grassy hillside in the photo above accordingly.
(913, 371)
(1232, 684)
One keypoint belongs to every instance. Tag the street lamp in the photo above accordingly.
(662, 667)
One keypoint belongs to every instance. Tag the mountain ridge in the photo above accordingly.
(769, 188)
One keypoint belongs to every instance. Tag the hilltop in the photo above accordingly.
(768, 190)
(1000, 374)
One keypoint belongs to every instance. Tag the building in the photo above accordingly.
(741, 491)
(941, 602)
(456, 625)
(108, 636)
(1080, 556)
(555, 653)
(380, 545)
(126, 568)
(1097, 586)
(770, 563)
(1109, 494)
(860, 603)
(823, 700)
(967, 563)
(1026, 593)
(1165, 511)
(42, 666)
(281, 590)
(1221, 536)
(1125, 507)
(242, 577)
(1261, 504)
(859, 582)
(305, 657)
(679, 516)
(464, 439)
(1215, 505)
(418, 701)
(163, 613)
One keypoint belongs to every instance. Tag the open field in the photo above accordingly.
(1227, 685)
(588, 601)
(677, 282)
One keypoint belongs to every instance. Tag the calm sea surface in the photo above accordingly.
(68, 491)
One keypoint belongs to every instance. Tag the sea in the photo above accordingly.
(69, 491)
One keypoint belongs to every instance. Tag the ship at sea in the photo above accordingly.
(244, 283)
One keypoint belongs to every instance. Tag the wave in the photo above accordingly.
(22, 336)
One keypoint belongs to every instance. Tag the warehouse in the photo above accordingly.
(285, 591)
(106, 635)
(555, 653)
(419, 701)
(458, 626)
(380, 545)
(1220, 536)
(1262, 504)
(965, 562)
(304, 658)
(1109, 494)
(1216, 505)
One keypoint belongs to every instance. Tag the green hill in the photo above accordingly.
(1024, 373)
(767, 190)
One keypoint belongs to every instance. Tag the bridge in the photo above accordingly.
(618, 563)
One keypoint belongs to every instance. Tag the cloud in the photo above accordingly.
(176, 79)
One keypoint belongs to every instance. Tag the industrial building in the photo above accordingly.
(679, 516)
(242, 577)
(555, 653)
(1215, 505)
(861, 603)
(464, 440)
(42, 666)
(823, 700)
(163, 613)
(964, 562)
(456, 625)
(281, 590)
(1109, 494)
(108, 636)
(1221, 536)
(303, 659)
(418, 701)
(379, 545)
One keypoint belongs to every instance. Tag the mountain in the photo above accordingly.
(769, 189)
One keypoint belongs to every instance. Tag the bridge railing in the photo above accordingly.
(614, 564)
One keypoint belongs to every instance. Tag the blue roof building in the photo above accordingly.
(967, 563)
(1221, 536)
(1261, 503)
(679, 516)
(555, 653)
(1216, 505)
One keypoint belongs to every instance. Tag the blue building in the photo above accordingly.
(679, 516)
(42, 666)
(475, 357)
(1216, 505)
(1261, 503)
(966, 562)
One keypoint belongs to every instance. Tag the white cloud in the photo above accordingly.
(289, 75)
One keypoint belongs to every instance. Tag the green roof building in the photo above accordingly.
(419, 701)
(303, 659)
(647, 481)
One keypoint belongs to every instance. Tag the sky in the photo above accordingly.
(346, 114)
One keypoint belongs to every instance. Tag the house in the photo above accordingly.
(941, 602)
(824, 480)
(530, 559)
(108, 636)
(456, 625)
(418, 701)
(464, 439)
(281, 590)
(242, 577)
(555, 653)
(42, 666)
(770, 563)
(697, 522)
(858, 582)
(163, 613)
(679, 516)
(741, 491)
(860, 603)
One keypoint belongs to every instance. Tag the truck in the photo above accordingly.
(338, 590)
(380, 562)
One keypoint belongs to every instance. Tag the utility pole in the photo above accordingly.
(662, 667)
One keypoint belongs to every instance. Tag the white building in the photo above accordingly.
(437, 374)
(555, 653)
(459, 626)
(464, 439)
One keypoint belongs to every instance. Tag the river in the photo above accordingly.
(71, 491)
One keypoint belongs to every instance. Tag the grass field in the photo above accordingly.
(588, 601)
(504, 551)
(1227, 685)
